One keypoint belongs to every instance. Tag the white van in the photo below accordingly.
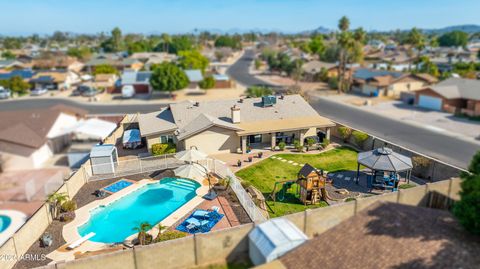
(128, 91)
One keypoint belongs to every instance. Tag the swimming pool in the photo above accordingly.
(117, 186)
(4, 222)
(151, 203)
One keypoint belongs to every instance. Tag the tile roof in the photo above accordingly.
(454, 88)
(388, 235)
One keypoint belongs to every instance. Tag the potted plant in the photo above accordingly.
(250, 159)
(239, 163)
(260, 155)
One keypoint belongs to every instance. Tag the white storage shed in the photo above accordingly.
(272, 239)
(103, 159)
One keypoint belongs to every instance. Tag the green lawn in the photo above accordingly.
(264, 174)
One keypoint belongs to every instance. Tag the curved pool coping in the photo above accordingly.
(82, 215)
(17, 220)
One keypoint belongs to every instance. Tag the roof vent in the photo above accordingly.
(268, 101)
(197, 104)
(282, 97)
(240, 101)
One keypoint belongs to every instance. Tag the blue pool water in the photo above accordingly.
(151, 203)
(117, 186)
(4, 222)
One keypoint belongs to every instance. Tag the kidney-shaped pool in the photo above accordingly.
(151, 203)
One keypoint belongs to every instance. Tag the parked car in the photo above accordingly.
(79, 90)
(128, 91)
(90, 92)
(5, 93)
(132, 139)
(38, 91)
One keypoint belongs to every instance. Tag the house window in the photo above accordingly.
(255, 139)
(164, 139)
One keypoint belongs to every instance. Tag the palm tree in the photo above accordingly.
(160, 229)
(343, 24)
(166, 41)
(360, 35)
(347, 45)
(55, 200)
(417, 40)
(142, 230)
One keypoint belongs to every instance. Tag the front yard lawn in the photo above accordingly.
(264, 174)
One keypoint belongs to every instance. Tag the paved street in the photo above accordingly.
(450, 149)
(446, 148)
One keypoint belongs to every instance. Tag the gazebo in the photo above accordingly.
(383, 160)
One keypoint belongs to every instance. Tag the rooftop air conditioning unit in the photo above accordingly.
(269, 100)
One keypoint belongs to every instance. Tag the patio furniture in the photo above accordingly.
(80, 241)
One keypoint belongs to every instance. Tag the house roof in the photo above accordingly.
(134, 77)
(194, 75)
(456, 88)
(201, 123)
(316, 66)
(290, 113)
(390, 235)
(24, 130)
(25, 74)
(367, 74)
(50, 77)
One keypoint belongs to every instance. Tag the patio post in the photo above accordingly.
(274, 141)
(358, 173)
(244, 144)
(327, 133)
(302, 137)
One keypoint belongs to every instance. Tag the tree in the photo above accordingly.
(115, 42)
(175, 45)
(467, 210)
(16, 84)
(424, 65)
(207, 83)
(360, 35)
(142, 230)
(343, 24)
(168, 77)
(417, 40)
(138, 46)
(10, 43)
(8, 55)
(105, 69)
(82, 53)
(192, 59)
(55, 200)
(259, 91)
(347, 45)
(316, 45)
(228, 41)
(453, 39)
(59, 37)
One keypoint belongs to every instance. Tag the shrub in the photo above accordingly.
(258, 64)
(344, 133)
(163, 148)
(246, 184)
(67, 216)
(350, 199)
(297, 145)
(258, 91)
(325, 142)
(360, 138)
(421, 162)
(207, 83)
(169, 235)
(69, 206)
(282, 145)
(333, 82)
(310, 141)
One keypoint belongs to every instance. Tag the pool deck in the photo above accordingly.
(82, 215)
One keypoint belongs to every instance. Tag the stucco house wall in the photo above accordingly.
(214, 140)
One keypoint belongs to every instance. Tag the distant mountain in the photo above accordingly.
(467, 28)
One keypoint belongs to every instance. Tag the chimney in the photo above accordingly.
(235, 114)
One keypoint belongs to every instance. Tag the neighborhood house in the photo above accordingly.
(454, 95)
(234, 125)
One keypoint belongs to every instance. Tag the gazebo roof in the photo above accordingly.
(384, 159)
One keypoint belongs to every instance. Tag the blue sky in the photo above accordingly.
(173, 16)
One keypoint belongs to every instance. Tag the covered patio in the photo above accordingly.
(386, 167)
(268, 134)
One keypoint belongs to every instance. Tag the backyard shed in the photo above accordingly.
(272, 239)
(103, 159)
